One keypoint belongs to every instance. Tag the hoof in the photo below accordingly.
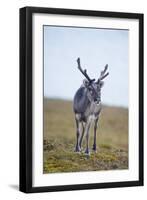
(95, 150)
(77, 149)
(87, 152)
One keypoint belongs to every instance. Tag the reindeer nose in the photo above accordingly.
(95, 99)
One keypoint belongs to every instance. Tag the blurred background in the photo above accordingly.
(96, 48)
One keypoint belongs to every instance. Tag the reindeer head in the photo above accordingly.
(93, 87)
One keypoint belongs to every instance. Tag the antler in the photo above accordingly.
(103, 75)
(84, 72)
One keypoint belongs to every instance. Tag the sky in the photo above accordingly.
(96, 48)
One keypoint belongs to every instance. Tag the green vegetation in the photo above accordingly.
(60, 138)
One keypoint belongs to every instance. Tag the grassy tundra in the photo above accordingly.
(60, 138)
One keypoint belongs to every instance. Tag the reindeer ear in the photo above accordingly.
(101, 84)
(85, 83)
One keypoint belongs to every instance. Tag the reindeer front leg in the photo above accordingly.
(82, 134)
(95, 129)
(87, 136)
(77, 149)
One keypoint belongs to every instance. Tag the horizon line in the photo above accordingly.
(68, 99)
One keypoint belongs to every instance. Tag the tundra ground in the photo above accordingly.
(60, 138)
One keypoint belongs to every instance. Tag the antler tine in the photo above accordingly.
(103, 75)
(84, 72)
(105, 69)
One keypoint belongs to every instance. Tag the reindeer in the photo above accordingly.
(87, 107)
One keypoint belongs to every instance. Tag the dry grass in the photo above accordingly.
(59, 139)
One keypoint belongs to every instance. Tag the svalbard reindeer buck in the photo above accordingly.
(87, 107)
